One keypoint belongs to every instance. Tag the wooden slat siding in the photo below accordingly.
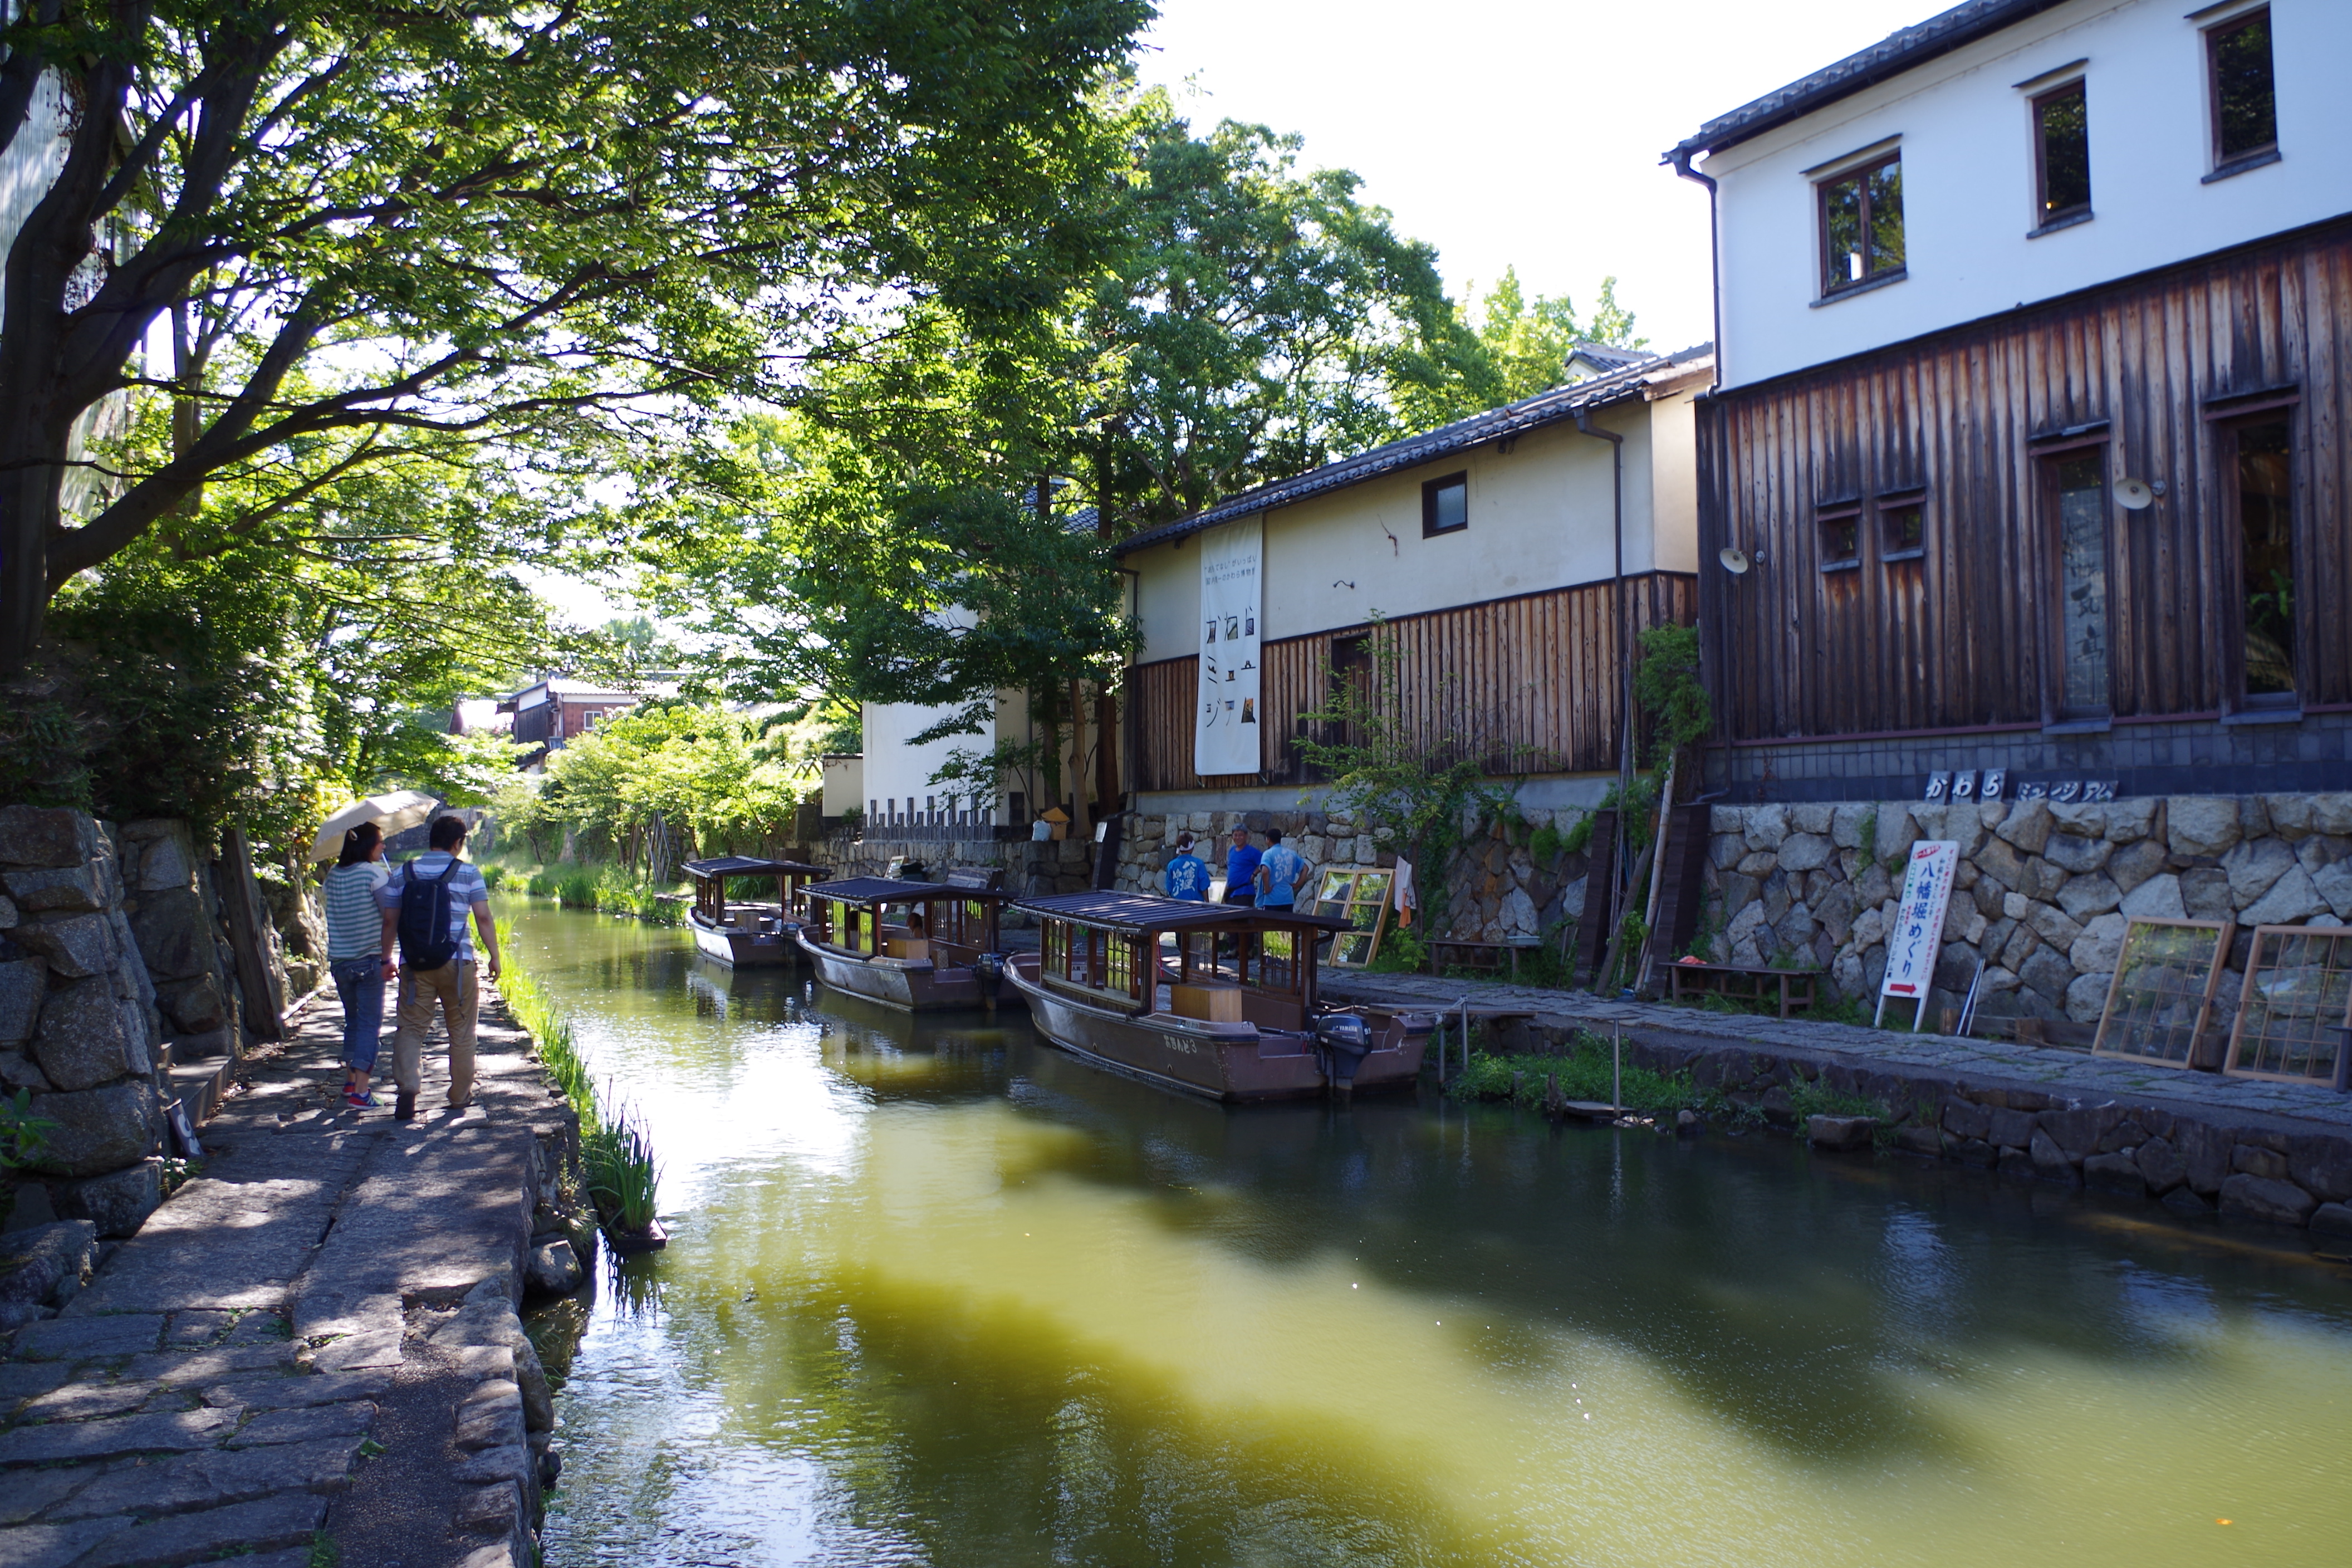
(1538, 670)
(1966, 636)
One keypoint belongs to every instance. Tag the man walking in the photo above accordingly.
(425, 905)
(1241, 869)
(1278, 871)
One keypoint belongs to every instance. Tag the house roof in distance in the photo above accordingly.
(1630, 381)
(1890, 56)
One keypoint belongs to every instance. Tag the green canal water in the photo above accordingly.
(939, 1294)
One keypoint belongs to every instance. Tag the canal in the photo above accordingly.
(939, 1294)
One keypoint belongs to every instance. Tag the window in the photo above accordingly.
(1861, 225)
(2077, 483)
(1445, 504)
(1901, 526)
(2266, 560)
(2245, 104)
(589, 716)
(2061, 125)
(1841, 530)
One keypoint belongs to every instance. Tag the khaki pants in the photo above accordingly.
(452, 986)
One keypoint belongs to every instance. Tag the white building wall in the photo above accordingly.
(1968, 183)
(1541, 517)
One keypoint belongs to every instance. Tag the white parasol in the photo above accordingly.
(399, 809)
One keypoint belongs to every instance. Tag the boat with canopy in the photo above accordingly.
(746, 932)
(922, 947)
(1204, 998)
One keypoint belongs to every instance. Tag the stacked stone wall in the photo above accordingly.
(1496, 890)
(78, 1025)
(2042, 893)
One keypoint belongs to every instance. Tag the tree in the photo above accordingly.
(461, 226)
(1522, 348)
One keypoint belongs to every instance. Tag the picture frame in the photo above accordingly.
(1360, 895)
(2296, 1000)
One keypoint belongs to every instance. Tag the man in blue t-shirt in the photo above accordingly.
(1241, 869)
(1187, 876)
(1278, 870)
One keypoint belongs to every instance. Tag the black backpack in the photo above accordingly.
(424, 925)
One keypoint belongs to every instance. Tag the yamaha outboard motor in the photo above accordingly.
(988, 973)
(1346, 1042)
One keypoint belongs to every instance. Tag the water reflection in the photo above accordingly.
(938, 1295)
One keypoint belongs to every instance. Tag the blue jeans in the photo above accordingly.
(360, 983)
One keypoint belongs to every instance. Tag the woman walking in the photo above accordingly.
(355, 943)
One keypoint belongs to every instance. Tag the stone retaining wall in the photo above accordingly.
(2196, 1160)
(78, 1025)
(2042, 895)
(1498, 890)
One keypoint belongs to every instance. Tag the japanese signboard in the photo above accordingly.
(1225, 726)
(1918, 938)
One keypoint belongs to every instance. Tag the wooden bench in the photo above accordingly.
(1740, 984)
(1491, 957)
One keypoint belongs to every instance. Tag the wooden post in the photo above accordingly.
(262, 982)
(1617, 1069)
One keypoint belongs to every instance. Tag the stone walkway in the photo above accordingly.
(212, 1390)
(2064, 1072)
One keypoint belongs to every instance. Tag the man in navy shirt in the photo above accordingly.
(1241, 869)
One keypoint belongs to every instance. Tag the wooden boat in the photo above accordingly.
(746, 932)
(1241, 1027)
(938, 955)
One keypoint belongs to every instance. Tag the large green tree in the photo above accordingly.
(469, 222)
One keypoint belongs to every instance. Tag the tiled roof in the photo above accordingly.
(1544, 408)
(1891, 56)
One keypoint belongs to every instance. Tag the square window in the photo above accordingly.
(1841, 534)
(1861, 224)
(2245, 100)
(2061, 123)
(1445, 504)
(1902, 527)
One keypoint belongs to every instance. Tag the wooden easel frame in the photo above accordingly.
(2224, 931)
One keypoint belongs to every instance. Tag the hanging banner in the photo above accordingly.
(1918, 938)
(1225, 723)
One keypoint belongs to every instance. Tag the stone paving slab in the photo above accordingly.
(210, 1392)
(2076, 1071)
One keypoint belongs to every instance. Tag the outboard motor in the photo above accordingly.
(1346, 1042)
(988, 973)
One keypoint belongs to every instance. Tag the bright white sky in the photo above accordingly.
(1518, 133)
(1505, 132)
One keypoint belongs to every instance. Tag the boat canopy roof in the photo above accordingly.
(882, 891)
(743, 865)
(1154, 911)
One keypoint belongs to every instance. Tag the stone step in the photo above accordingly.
(199, 1086)
(210, 1045)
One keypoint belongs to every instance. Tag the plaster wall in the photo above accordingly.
(1964, 124)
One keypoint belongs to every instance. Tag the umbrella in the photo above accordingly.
(393, 812)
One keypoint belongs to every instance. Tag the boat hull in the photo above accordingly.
(909, 986)
(1233, 1063)
(743, 949)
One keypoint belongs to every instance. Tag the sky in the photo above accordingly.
(1524, 133)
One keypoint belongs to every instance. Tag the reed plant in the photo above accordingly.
(1583, 1073)
(624, 1178)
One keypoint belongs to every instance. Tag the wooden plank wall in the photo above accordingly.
(1964, 637)
(1531, 681)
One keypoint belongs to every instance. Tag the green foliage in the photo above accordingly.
(622, 1175)
(1583, 1073)
(1549, 844)
(477, 225)
(1403, 952)
(712, 776)
(1521, 347)
(1667, 684)
(23, 1135)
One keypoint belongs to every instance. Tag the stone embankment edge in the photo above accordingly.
(2200, 1161)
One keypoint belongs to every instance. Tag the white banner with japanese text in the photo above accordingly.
(1918, 938)
(1225, 724)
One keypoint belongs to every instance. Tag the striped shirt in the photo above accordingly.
(354, 925)
(467, 889)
